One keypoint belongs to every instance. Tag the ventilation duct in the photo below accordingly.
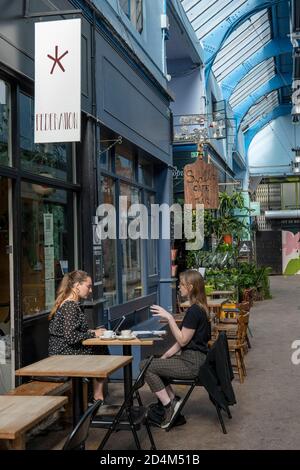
(284, 214)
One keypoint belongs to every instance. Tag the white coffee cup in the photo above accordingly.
(109, 334)
(126, 333)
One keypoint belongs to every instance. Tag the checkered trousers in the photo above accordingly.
(183, 366)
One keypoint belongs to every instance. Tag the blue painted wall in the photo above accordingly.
(188, 94)
(147, 45)
(270, 150)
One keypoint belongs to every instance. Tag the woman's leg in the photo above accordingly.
(170, 392)
(98, 389)
(163, 396)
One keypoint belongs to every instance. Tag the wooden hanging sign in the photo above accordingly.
(201, 185)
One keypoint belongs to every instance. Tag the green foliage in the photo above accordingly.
(242, 276)
(226, 221)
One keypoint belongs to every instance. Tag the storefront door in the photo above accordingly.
(6, 298)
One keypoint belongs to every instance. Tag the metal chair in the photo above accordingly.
(214, 389)
(76, 440)
(126, 417)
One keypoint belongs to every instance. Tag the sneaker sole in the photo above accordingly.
(176, 407)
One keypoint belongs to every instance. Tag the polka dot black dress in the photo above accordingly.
(68, 328)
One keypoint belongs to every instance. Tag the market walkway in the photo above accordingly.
(267, 415)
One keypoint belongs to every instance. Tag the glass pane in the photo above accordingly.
(145, 172)
(136, 14)
(131, 253)
(4, 123)
(54, 160)
(151, 244)
(5, 319)
(125, 5)
(109, 250)
(47, 240)
(107, 140)
(124, 162)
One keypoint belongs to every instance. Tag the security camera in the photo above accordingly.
(169, 77)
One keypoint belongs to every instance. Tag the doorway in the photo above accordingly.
(6, 298)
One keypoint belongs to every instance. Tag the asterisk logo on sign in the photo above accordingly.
(57, 59)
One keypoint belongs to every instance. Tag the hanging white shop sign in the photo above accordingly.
(57, 81)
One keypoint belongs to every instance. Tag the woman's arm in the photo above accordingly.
(73, 327)
(183, 336)
(173, 350)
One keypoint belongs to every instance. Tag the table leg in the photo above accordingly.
(77, 397)
(18, 443)
(127, 371)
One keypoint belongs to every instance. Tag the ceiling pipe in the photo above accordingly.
(284, 214)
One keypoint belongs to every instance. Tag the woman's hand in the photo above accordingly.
(156, 310)
(99, 332)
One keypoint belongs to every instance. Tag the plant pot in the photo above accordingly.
(173, 254)
(174, 268)
(227, 239)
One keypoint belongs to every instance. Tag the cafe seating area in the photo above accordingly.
(245, 423)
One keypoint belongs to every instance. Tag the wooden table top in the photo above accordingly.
(118, 342)
(221, 292)
(210, 303)
(76, 366)
(216, 302)
(20, 413)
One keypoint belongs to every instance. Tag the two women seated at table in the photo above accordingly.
(68, 326)
(184, 359)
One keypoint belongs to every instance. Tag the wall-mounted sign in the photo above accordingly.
(201, 185)
(57, 81)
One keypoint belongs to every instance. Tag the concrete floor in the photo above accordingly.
(267, 414)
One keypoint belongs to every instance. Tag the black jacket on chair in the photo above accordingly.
(216, 373)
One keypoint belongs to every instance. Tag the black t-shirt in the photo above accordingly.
(196, 319)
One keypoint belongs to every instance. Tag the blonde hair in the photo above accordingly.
(65, 288)
(197, 294)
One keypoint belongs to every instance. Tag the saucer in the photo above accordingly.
(106, 338)
(126, 338)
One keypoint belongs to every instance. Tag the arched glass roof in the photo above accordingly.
(253, 80)
(242, 44)
(247, 48)
(205, 15)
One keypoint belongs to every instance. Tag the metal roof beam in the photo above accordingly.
(274, 48)
(281, 110)
(213, 42)
(275, 83)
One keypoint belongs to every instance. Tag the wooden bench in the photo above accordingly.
(132, 307)
(20, 414)
(39, 388)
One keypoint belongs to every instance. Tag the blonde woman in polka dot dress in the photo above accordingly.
(68, 326)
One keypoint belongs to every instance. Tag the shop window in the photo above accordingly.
(133, 9)
(131, 252)
(54, 160)
(109, 250)
(151, 243)
(47, 244)
(106, 139)
(124, 162)
(5, 125)
(145, 172)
